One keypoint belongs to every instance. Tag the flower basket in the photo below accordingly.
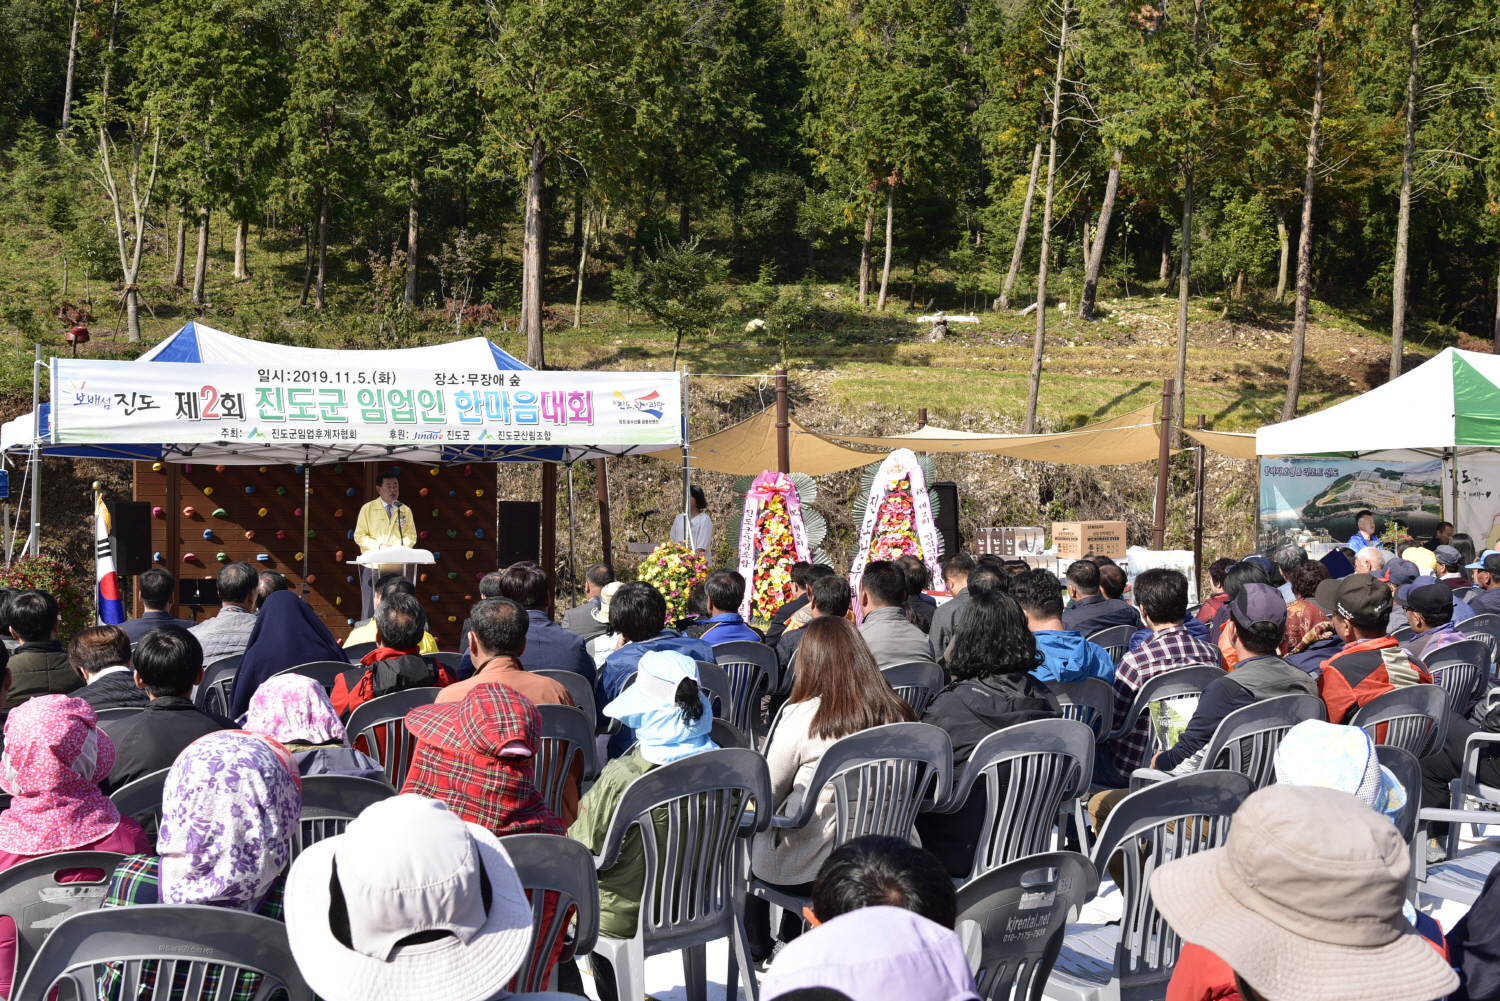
(673, 569)
(897, 518)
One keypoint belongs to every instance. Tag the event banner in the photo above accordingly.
(1311, 501)
(119, 402)
(1479, 498)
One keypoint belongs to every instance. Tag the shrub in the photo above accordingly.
(59, 578)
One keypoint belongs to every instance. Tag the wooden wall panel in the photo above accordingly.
(454, 509)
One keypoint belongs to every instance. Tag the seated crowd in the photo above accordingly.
(1304, 900)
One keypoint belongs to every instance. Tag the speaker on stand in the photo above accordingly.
(520, 536)
(946, 494)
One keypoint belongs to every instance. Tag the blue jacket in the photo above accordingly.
(1070, 657)
(1311, 659)
(726, 627)
(623, 663)
(1358, 542)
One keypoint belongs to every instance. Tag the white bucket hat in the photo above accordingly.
(405, 866)
(601, 614)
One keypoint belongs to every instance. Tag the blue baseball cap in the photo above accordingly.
(1479, 564)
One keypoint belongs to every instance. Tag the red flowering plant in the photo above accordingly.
(674, 569)
(58, 578)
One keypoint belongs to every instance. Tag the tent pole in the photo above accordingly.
(306, 509)
(606, 531)
(687, 467)
(1163, 457)
(549, 530)
(572, 550)
(34, 537)
(921, 418)
(783, 425)
(1198, 484)
(1453, 477)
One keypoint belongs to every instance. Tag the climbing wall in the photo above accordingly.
(204, 516)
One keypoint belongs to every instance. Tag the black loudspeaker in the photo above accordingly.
(130, 536)
(520, 536)
(946, 494)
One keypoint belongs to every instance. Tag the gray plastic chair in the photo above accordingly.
(1021, 894)
(180, 939)
(918, 683)
(382, 724)
(1485, 628)
(1462, 876)
(753, 674)
(582, 691)
(218, 681)
(141, 800)
(1031, 771)
(329, 802)
(726, 734)
(1183, 682)
(34, 898)
(104, 715)
(881, 779)
(1462, 670)
(559, 870)
(1115, 640)
(1090, 701)
(324, 672)
(567, 738)
(1414, 717)
(1162, 822)
(1404, 635)
(1246, 740)
(715, 681)
(694, 882)
(447, 658)
(357, 652)
(1408, 771)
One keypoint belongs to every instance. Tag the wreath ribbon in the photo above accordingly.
(902, 463)
(769, 484)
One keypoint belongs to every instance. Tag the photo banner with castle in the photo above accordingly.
(114, 402)
(1313, 502)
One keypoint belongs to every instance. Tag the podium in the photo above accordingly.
(396, 559)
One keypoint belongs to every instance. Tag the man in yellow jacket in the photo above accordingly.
(383, 522)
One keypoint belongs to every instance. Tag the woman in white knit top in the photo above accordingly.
(838, 691)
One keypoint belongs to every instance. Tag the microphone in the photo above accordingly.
(654, 510)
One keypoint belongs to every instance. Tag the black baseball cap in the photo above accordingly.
(1429, 599)
(1362, 600)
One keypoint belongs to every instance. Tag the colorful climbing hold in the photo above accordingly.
(208, 491)
(422, 492)
(218, 469)
(437, 597)
(436, 513)
(208, 533)
(452, 493)
(281, 491)
(263, 557)
(188, 511)
(312, 533)
(280, 534)
(433, 471)
(336, 601)
(469, 554)
(222, 557)
(158, 512)
(422, 535)
(262, 469)
(339, 556)
(478, 533)
(262, 512)
(156, 467)
(349, 579)
(296, 512)
(338, 469)
(338, 512)
(187, 467)
(349, 492)
(249, 535)
(452, 533)
(188, 557)
(437, 556)
(452, 575)
(351, 533)
(453, 618)
(219, 512)
(468, 470)
(300, 557)
(479, 493)
(396, 470)
(469, 513)
(312, 578)
(297, 470)
(422, 578)
(479, 575)
(250, 489)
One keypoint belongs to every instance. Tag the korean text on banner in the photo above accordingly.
(131, 403)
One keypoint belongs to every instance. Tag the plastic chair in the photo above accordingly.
(1090, 701)
(104, 715)
(1484, 627)
(918, 683)
(1162, 822)
(1404, 635)
(716, 682)
(1461, 877)
(1030, 772)
(726, 734)
(881, 779)
(181, 939)
(141, 800)
(1408, 771)
(1183, 682)
(1414, 717)
(753, 674)
(1115, 640)
(447, 658)
(1036, 893)
(324, 672)
(37, 901)
(357, 652)
(561, 871)
(1462, 670)
(218, 681)
(1246, 740)
(329, 802)
(693, 881)
(580, 688)
(381, 723)
(567, 738)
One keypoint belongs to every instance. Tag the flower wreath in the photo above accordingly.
(898, 517)
(772, 538)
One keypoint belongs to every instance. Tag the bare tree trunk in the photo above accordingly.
(1166, 258)
(1096, 256)
(67, 109)
(890, 239)
(241, 239)
(1019, 251)
(1403, 219)
(578, 222)
(412, 218)
(1304, 246)
(320, 300)
(531, 265)
(1284, 235)
(130, 233)
(583, 260)
(307, 270)
(200, 266)
(1184, 276)
(1039, 345)
(179, 255)
(864, 257)
(684, 220)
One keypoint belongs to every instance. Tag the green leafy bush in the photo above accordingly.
(59, 578)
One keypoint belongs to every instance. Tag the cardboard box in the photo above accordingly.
(1009, 542)
(1076, 539)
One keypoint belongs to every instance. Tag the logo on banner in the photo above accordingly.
(648, 404)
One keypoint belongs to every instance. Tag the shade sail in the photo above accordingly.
(1130, 437)
(1236, 446)
(1448, 403)
(749, 448)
